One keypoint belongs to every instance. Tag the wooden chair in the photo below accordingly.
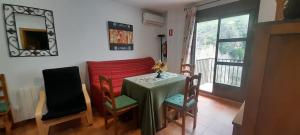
(187, 69)
(44, 123)
(185, 104)
(5, 111)
(115, 105)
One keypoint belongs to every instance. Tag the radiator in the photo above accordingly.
(26, 102)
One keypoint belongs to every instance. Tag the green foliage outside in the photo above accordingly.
(233, 27)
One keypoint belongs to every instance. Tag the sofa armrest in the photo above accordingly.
(40, 105)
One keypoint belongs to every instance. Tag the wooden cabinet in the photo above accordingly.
(272, 105)
(238, 121)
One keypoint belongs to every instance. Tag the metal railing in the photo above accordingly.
(206, 68)
(225, 74)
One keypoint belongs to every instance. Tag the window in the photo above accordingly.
(220, 49)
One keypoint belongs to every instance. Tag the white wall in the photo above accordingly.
(81, 31)
(267, 10)
(175, 20)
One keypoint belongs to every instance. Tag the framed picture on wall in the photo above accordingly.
(120, 36)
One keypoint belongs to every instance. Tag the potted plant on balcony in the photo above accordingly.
(159, 67)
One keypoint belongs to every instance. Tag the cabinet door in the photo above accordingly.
(273, 87)
(279, 110)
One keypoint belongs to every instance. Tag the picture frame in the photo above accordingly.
(120, 36)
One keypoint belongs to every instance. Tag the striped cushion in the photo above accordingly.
(177, 101)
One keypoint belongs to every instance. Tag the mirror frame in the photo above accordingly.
(14, 49)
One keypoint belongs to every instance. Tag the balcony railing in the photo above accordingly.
(206, 67)
(225, 74)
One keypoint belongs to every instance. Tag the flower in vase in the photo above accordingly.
(160, 67)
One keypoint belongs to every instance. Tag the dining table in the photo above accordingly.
(150, 93)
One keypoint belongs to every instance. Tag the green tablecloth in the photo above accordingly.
(150, 93)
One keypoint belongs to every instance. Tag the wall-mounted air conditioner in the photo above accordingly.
(153, 19)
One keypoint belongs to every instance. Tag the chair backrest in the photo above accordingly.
(107, 91)
(63, 89)
(3, 89)
(187, 69)
(191, 90)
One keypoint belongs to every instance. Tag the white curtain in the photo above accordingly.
(190, 19)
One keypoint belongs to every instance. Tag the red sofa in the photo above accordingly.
(117, 71)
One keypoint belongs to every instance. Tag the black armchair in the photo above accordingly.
(66, 97)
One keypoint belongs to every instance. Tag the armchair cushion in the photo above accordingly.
(64, 94)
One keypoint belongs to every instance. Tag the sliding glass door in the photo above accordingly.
(219, 54)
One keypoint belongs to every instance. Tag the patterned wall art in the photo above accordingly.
(120, 36)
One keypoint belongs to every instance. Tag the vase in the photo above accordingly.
(158, 75)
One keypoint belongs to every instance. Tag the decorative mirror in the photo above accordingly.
(30, 31)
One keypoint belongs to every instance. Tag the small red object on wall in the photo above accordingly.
(170, 32)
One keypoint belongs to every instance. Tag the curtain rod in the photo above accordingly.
(197, 5)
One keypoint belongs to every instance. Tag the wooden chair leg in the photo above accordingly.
(89, 114)
(8, 131)
(183, 122)
(137, 117)
(89, 117)
(116, 124)
(105, 119)
(165, 115)
(177, 115)
(8, 124)
(84, 119)
(195, 111)
(40, 127)
(46, 130)
(43, 130)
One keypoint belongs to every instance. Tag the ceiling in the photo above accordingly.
(159, 5)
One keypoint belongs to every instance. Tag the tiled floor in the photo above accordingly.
(214, 118)
(207, 87)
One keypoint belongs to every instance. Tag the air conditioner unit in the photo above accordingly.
(153, 19)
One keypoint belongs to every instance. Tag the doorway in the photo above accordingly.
(219, 54)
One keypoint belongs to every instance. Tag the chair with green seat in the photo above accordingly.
(115, 105)
(5, 111)
(186, 103)
(186, 69)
